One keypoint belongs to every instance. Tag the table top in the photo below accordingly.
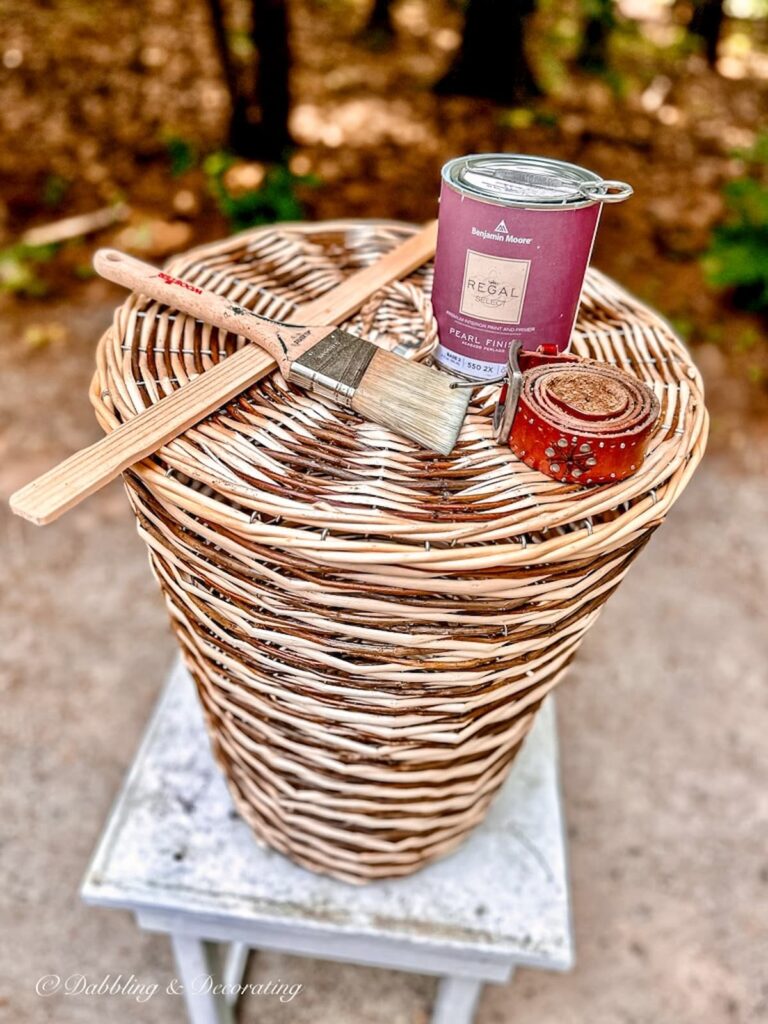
(174, 843)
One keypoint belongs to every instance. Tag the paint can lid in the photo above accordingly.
(514, 179)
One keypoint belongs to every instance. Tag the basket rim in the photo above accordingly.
(541, 524)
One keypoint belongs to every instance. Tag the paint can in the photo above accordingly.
(515, 235)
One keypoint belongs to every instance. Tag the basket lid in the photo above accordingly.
(291, 468)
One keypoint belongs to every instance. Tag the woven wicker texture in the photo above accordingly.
(371, 627)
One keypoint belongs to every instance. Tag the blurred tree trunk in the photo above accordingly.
(269, 33)
(258, 126)
(707, 23)
(380, 19)
(379, 31)
(219, 26)
(491, 61)
(601, 21)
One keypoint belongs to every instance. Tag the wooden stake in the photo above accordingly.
(76, 227)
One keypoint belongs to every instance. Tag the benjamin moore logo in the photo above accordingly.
(500, 234)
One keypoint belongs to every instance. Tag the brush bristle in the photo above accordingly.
(412, 400)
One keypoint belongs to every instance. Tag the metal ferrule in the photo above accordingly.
(320, 384)
(334, 366)
(504, 416)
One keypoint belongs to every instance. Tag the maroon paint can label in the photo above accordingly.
(515, 235)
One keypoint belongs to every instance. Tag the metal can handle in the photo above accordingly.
(606, 191)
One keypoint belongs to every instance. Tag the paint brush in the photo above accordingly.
(412, 400)
(84, 472)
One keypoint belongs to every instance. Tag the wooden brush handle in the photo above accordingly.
(61, 488)
(284, 344)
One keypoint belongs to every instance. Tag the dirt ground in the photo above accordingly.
(108, 87)
(662, 726)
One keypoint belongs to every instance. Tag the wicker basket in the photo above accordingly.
(372, 628)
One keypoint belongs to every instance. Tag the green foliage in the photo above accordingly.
(55, 187)
(20, 269)
(182, 154)
(558, 33)
(241, 45)
(737, 257)
(747, 9)
(599, 10)
(747, 340)
(275, 199)
(619, 84)
(525, 117)
(683, 326)
(585, 33)
(600, 22)
(757, 153)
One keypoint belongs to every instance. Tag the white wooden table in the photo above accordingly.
(176, 854)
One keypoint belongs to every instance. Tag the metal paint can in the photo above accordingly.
(515, 235)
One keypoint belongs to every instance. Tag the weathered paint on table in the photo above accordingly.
(176, 854)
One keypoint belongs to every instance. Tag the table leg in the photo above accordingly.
(236, 956)
(456, 1000)
(198, 961)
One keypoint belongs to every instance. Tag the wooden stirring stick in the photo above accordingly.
(48, 496)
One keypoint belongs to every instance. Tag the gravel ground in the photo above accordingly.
(662, 727)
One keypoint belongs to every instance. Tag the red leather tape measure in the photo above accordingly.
(576, 420)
